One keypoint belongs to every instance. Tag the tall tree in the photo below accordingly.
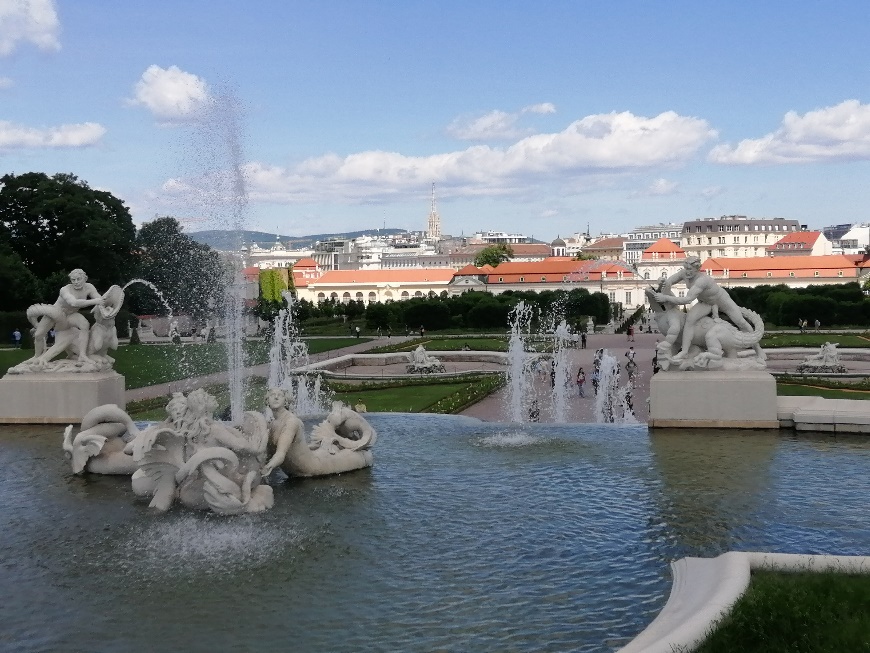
(191, 276)
(493, 255)
(59, 223)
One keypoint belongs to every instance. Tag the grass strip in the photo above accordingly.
(801, 612)
(776, 340)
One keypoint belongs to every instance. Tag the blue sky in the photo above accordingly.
(530, 117)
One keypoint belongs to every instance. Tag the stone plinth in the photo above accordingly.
(713, 399)
(57, 398)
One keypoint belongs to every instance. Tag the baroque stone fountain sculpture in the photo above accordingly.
(206, 464)
(419, 362)
(713, 371)
(63, 381)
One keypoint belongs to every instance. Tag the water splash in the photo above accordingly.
(288, 353)
(154, 288)
(613, 403)
(519, 371)
(561, 363)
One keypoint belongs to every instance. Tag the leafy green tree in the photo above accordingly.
(59, 223)
(191, 276)
(19, 287)
(493, 255)
(270, 301)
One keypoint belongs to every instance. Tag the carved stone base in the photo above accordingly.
(713, 399)
(48, 398)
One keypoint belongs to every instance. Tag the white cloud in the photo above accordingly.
(592, 148)
(28, 21)
(838, 133)
(658, 188)
(543, 107)
(5, 82)
(497, 125)
(81, 135)
(171, 94)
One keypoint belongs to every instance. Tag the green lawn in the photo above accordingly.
(409, 399)
(144, 365)
(774, 340)
(796, 390)
(800, 613)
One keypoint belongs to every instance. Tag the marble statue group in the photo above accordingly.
(84, 345)
(699, 339)
(203, 463)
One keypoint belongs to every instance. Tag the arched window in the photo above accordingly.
(321, 297)
(418, 294)
(388, 295)
(345, 298)
(359, 296)
(646, 275)
(372, 298)
(405, 294)
(334, 296)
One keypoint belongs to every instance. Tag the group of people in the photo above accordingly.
(803, 325)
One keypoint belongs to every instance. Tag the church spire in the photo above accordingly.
(433, 227)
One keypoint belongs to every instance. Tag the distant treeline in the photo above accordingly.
(471, 310)
(841, 305)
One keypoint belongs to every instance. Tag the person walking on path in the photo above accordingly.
(818, 324)
(357, 332)
(583, 340)
(581, 379)
(16, 338)
(801, 324)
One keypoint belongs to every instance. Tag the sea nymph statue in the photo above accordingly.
(206, 464)
(86, 346)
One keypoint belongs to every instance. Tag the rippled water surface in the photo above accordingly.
(465, 536)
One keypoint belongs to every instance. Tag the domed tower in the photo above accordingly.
(558, 247)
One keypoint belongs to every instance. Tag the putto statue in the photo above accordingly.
(85, 346)
(706, 341)
(419, 362)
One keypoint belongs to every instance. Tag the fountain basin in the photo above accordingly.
(465, 535)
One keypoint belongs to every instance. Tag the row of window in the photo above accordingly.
(745, 227)
(373, 298)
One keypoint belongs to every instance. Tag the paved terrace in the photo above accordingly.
(494, 407)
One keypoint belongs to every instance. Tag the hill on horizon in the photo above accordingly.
(223, 239)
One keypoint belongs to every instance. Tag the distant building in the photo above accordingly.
(497, 238)
(794, 271)
(433, 225)
(660, 260)
(801, 243)
(606, 249)
(733, 236)
(854, 241)
(640, 238)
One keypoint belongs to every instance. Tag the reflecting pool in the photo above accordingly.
(464, 536)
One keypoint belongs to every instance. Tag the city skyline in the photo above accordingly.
(533, 119)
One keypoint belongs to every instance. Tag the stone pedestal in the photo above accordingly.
(57, 398)
(713, 399)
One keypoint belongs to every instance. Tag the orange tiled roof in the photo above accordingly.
(664, 246)
(555, 269)
(306, 262)
(411, 275)
(783, 266)
(797, 240)
(469, 270)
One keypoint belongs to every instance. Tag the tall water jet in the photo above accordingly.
(219, 195)
(612, 402)
(519, 375)
(561, 374)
